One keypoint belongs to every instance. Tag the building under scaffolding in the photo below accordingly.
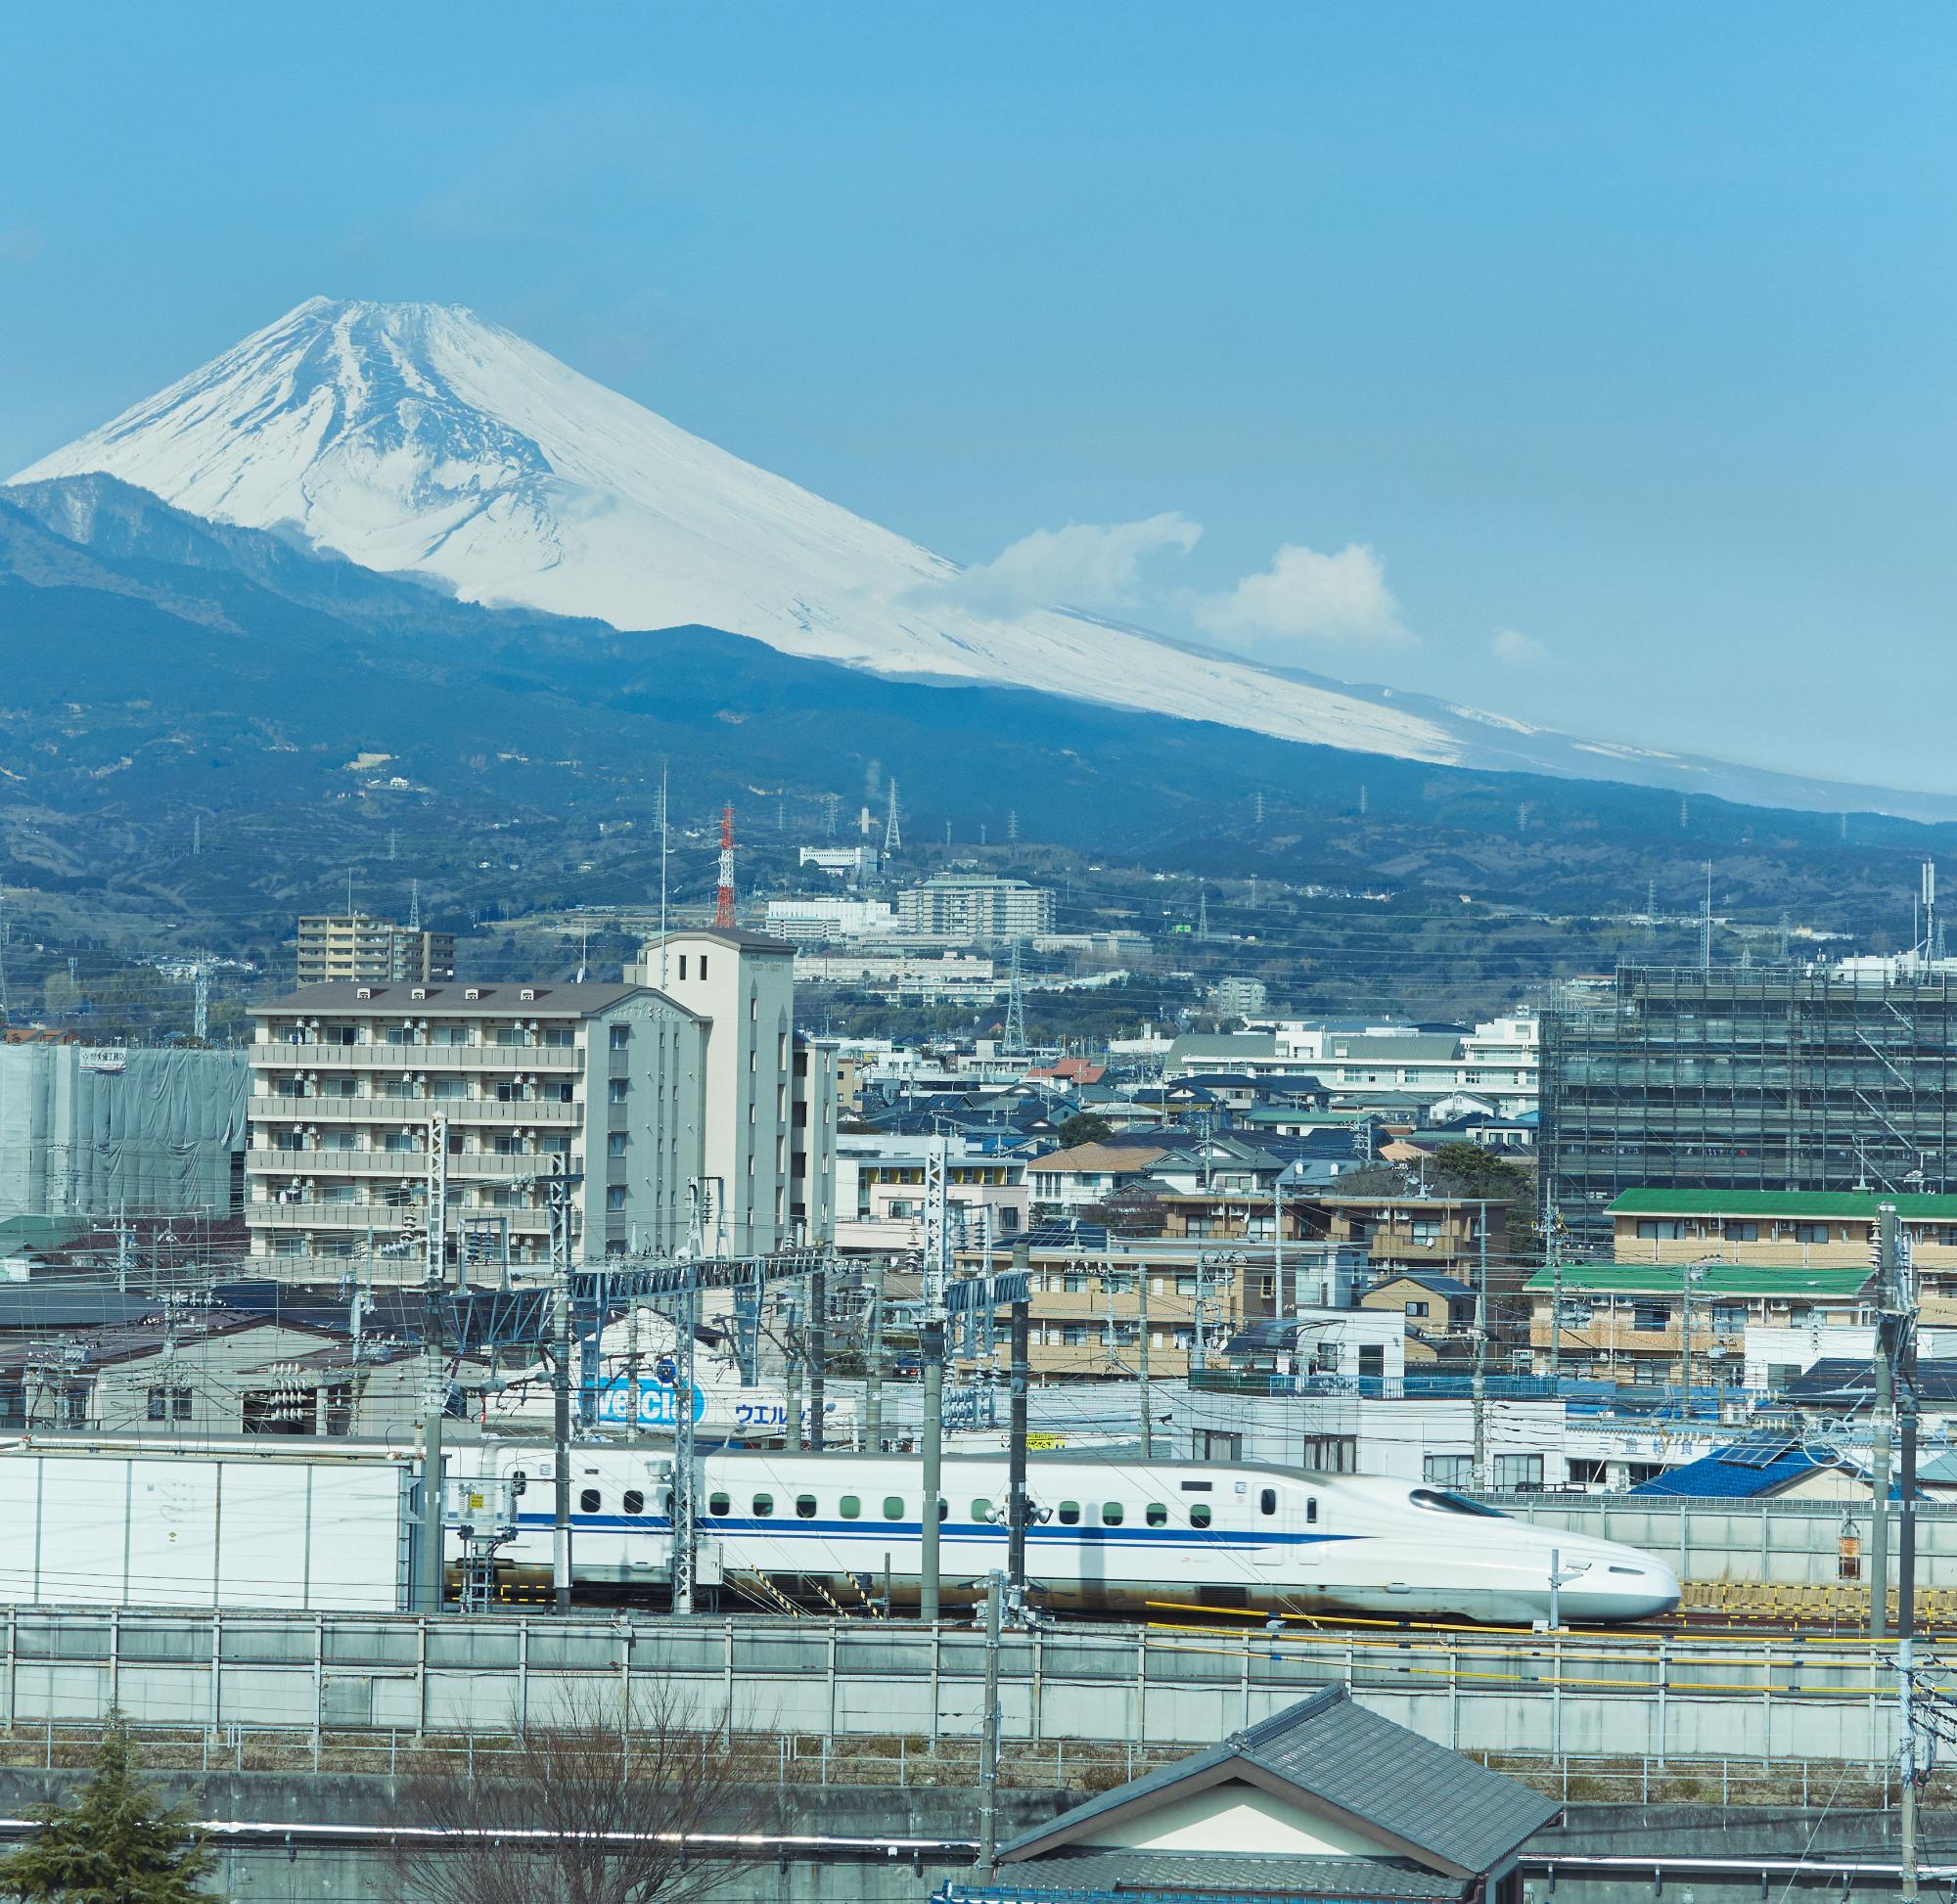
(1814, 1078)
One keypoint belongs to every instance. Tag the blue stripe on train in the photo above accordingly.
(1214, 1538)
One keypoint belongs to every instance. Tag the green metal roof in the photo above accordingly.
(1716, 1279)
(1780, 1203)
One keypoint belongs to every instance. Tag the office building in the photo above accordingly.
(1826, 1078)
(353, 949)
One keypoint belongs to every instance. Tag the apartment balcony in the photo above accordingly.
(384, 1219)
(267, 1108)
(464, 1168)
(559, 1060)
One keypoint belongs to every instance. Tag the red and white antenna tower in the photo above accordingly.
(724, 898)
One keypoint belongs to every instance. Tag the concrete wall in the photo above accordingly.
(1789, 1543)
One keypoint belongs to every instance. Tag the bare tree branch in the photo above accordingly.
(576, 1812)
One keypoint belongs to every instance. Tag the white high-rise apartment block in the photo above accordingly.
(975, 908)
(740, 986)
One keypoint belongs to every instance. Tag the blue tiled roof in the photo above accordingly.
(1720, 1476)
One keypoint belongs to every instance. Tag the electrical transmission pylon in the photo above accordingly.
(1016, 1009)
(723, 894)
(893, 833)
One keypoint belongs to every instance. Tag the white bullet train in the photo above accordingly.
(1106, 1535)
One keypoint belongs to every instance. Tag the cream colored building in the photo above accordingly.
(740, 986)
(355, 949)
(348, 1082)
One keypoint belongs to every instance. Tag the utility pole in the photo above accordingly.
(685, 1494)
(558, 1195)
(989, 1743)
(1556, 1308)
(937, 1265)
(1888, 1249)
(434, 1405)
(1278, 1248)
(1906, 1586)
(1479, 1387)
(815, 1340)
(1019, 1379)
(873, 1362)
(792, 1377)
(933, 1341)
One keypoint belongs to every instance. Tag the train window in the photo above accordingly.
(1070, 1513)
(894, 1507)
(1199, 1513)
(634, 1502)
(588, 1501)
(849, 1507)
(1443, 1500)
(1267, 1501)
(1111, 1513)
(1311, 1508)
(1156, 1515)
(943, 1510)
(981, 1512)
(718, 1504)
(805, 1507)
(764, 1505)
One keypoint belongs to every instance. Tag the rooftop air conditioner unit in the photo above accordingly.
(363, 991)
(527, 995)
(418, 991)
(472, 993)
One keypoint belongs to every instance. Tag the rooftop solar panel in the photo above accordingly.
(1757, 1451)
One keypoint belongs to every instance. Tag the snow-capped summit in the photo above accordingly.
(422, 438)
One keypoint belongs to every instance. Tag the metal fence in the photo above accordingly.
(1768, 1700)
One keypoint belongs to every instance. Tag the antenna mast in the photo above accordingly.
(665, 836)
(723, 898)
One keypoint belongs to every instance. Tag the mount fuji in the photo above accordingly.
(423, 441)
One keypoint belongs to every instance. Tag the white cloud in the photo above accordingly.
(1516, 649)
(1083, 566)
(1305, 595)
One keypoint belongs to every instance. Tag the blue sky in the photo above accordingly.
(1619, 336)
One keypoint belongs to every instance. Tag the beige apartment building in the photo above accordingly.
(349, 1084)
(1087, 1307)
(355, 949)
(651, 1097)
(1621, 1319)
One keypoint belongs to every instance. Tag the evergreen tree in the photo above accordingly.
(115, 1843)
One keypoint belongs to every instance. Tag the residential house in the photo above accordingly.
(1321, 1799)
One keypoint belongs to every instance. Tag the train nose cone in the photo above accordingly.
(1630, 1588)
